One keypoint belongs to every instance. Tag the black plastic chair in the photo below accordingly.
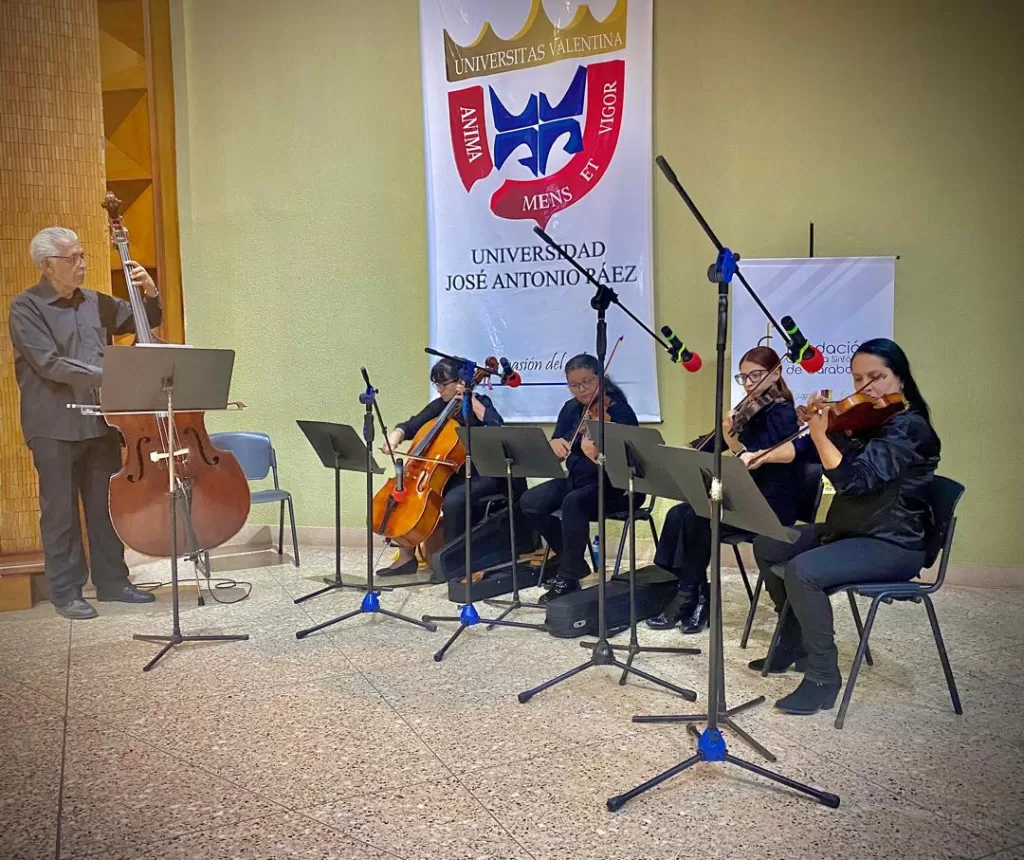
(944, 495)
(644, 513)
(808, 501)
(256, 456)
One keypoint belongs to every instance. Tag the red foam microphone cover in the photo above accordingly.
(513, 380)
(814, 362)
(693, 363)
(399, 495)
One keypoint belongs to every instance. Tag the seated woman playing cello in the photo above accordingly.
(576, 495)
(876, 527)
(445, 376)
(685, 544)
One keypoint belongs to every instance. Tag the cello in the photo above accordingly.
(407, 517)
(212, 483)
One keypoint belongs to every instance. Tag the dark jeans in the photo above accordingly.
(454, 504)
(684, 547)
(811, 568)
(569, 537)
(69, 471)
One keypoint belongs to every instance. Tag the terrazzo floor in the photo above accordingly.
(354, 743)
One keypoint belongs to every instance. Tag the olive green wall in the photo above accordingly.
(895, 126)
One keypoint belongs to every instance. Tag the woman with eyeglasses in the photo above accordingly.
(685, 545)
(875, 531)
(445, 376)
(576, 495)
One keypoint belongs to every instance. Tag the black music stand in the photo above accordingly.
(744, 507)
(165, 380)
(629, 469)
(468, 615)
(514, 452)
(340, 448)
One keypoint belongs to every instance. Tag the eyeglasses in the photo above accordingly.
(441, 386)
(584, 385)
(74, 258)
(755, 376)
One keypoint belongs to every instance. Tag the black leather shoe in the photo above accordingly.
(126, 593)
(560, 585)
(407, 568)
(809, 698)
(680, 606)
(697, 619)
(782, 662)
(76, 610)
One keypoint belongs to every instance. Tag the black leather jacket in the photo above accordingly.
(881, 482)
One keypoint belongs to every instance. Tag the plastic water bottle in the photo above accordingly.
(595, 546)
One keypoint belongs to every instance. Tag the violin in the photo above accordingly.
(410, 516)
(213, 485)
(853, 414)
(763, 395)
(856, 413)
(590, 412)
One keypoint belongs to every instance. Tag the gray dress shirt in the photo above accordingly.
(58, 355)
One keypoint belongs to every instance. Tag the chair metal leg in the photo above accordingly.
(654, 531)
(543, 564)
(280, 531)
(776, 636)
(295, 536)
(743, 572)
(753, 610)
(934, 621)
(855, 609)
(862, 648)
(618, 555)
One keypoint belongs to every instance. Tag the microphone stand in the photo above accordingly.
(602, 655)
(711, 746)
(468, 615)
(370, 603)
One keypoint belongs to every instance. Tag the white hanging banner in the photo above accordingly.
(539, 113)
(838, 303)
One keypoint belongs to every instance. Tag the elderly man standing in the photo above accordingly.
(59, 331)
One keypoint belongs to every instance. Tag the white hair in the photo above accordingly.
(49, 242)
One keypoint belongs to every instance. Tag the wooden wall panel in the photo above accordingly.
(51, 172)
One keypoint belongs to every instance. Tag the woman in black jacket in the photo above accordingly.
(875, 530)
(445, 376)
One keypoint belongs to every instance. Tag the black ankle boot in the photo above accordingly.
(559, 586)
(810, 697)
(680, 606)
(697, 619)
(782, 661)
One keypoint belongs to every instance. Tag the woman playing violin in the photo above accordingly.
(685, 544)
(875, 530)
(445, 376)
(576, 495)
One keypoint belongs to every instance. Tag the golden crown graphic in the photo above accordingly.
(539, 41)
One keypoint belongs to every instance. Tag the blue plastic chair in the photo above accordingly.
(944, 495)
(256, 456)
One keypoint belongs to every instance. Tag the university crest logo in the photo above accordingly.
(580, 114)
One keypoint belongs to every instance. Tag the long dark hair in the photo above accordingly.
(896, 360)
(585, 361)
(768, 358)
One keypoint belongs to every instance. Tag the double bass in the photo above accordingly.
(407, 517)
(214, 487)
